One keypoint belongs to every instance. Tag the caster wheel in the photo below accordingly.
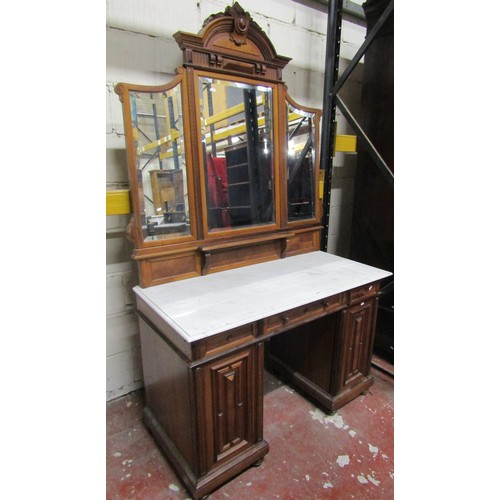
(258, 463)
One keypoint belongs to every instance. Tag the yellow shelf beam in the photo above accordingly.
(321, 183)
(118, 202)
(345, 143)
(231, 131)
(163, 140)
(228, 113)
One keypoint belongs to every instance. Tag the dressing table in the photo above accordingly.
(226, 222)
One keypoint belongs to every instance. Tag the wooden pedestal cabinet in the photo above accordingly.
(206, 417)
(203, 354)
(353, 348)
(328, 358)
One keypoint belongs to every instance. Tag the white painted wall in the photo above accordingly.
(140, 49)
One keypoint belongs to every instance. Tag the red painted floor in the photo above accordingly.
(312, 455)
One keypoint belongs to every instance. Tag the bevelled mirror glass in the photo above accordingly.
(300, 164)
(237, 140)
(158, 132)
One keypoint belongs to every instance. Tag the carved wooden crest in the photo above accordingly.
(242, 22)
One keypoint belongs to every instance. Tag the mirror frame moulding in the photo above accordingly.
(134, 230)
(318, 207)
(211, 234)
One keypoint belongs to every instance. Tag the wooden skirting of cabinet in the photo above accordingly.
(202, 486)
(328, 358)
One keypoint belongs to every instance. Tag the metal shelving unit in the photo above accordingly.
(331, 101)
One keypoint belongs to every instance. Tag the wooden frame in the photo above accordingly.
(203, 340)
(244, 231)
(134, 229)
(318, 208)
(230, 47)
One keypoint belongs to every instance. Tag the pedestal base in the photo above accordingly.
(329, 402)
(205, 484)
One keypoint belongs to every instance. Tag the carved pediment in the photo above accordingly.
(233, 41)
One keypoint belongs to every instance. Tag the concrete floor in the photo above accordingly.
(312, 455)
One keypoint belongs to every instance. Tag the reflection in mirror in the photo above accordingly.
(160, 163)
(236, 131)
(300, 164)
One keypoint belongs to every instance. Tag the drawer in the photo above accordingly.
(303, 314)
(223, 341)
(334, 302)
(363, 292)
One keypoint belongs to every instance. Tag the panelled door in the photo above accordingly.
(354, 344)
(229, 399)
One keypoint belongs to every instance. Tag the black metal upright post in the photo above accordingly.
(173, 126)
(252, 124)
(328, 127)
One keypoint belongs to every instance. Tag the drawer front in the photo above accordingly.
(363, 292)
(301, 314)
(335, 302)
(223, 341)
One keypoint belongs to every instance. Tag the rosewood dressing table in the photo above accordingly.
(226, 224)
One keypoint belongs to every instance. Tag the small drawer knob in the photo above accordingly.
(285, 319)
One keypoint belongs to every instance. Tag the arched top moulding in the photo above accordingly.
(231, 41)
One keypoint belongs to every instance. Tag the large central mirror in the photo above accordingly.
(237, 148)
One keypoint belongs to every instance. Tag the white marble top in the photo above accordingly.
(206, 305)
